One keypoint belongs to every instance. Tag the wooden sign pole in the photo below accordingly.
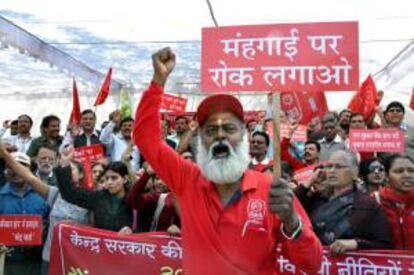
(277, 172)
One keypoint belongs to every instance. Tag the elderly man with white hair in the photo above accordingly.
(232, 218)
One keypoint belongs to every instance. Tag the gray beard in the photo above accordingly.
(227, 170)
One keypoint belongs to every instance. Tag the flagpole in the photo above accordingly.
(276, 135)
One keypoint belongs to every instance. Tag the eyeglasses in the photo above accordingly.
(335, 166)
(376, 168)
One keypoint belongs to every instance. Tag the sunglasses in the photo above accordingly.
(376, 168)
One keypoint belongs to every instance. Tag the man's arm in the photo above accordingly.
(167, 164)
(107, 134)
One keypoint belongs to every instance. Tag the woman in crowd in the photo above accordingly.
(108, 206)
(340, 220)
(98, 169)
(61, 210)
(157, 208)
(397, 199)
(372, 172)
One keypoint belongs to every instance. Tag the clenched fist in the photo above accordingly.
(163, 62)
(281, 203)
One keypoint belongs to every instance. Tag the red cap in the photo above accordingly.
(217, 103)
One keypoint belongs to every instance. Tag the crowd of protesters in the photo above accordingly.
(354, 200)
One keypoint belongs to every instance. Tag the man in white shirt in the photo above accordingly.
(23, 138)
(116, 144)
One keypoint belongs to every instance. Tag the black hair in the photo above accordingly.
(344, 111)
(310, 141)
(125, 120)
(47, 146)
(88, 111)
(24, 115)
(395, 104)
(389, 161)
(47, 119)
(181, 117)
(356, 114)
(264, 135)
(14, 122)
(364, 168)
(118, 167)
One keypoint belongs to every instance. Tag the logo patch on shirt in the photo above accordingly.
(256, 210)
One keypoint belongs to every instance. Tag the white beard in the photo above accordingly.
(226, 170)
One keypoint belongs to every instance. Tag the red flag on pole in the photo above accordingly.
(76, 113)
(412, 100)
(104, 92)
(366, 99)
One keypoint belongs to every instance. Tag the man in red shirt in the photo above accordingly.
(231, 222)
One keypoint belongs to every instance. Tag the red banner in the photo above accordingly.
(21, 230)
(85, 250)
(412, 100)
(173, 103)
(376, 140)
(391, 262)
(281, 57)
(304, 106)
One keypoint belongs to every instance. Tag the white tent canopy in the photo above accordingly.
(99, 35)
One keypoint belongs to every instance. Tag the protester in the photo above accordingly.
(340, 220)
(22, 140)
(108, 205)
(98, 169)
(332, 141)
(372, 172)
(84, 134)
(60, 209)
(116, 144)
(46, 160)
(181, 128)
(344, 121)
(394, 116)
(397, 199)
(156, 211)
(18, 198)
(259, 145)
(215, 241)
(50, 129)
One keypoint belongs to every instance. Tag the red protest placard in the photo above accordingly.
(281, 57)
(376, 140)
(357, 262)
(304, 175)
(96, 251)
(173, 103)
(21, 230)
(86, 155)
(89, 153)
(412, 100)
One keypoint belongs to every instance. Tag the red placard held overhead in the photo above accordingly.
(173, 103)
(21, 230)
(376, 140)
(281, 57)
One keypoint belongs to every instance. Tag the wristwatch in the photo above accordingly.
(295, 233)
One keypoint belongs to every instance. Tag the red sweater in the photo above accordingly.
(286, 156)
(400, 212)
(218, 239)
(146, 203)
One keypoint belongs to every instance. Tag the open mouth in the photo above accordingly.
(221, 151)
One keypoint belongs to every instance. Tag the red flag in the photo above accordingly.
(104, 92)
(412, 100)
(366, 99)
(76, 113)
